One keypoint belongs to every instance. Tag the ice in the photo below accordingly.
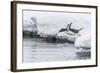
(84, 38)
(49, 23)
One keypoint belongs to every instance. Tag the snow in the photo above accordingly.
(28, 24)
(84, 39)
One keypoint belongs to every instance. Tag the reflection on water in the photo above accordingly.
(38, 50)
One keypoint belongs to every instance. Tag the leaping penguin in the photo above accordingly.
(69, 28)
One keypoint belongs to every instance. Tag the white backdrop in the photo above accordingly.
(5, 37)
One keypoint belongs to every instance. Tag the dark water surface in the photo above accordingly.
(38, 50)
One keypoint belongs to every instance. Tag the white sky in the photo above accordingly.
(51, 22)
